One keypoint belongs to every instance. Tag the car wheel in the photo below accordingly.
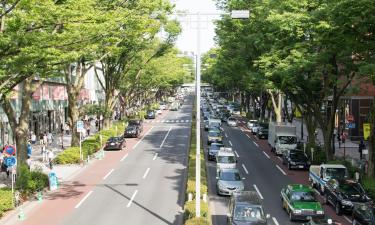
(338, 209)
(291, 218)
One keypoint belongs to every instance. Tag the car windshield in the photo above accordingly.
(264, 126)
(230, 176)
(133, 122)
(113, 139)
(298, 156)
(335, 173)
(226, 159)
(231, 119)
(248, 213)
(351, 188)
(287, 140)
(213, 134)
(303, 196)
(131, 128)
(215, 124)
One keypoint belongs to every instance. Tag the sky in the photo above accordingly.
(187, 41)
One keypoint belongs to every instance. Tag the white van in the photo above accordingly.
(225, 159)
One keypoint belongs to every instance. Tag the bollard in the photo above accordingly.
(21, 215)
(205, 197)
(40, 196)
(190, 197)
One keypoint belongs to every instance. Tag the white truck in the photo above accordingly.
(225, 159)
(320, 174)
(282, 137)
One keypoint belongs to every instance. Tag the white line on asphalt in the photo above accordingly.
(156, 155)
(145, 175)
(281, 170)
(256, 188)
(226, 135)
(143, 137)
(123, 158)
(165, 138)
(88, 194)
(275, 221)
(256, 144)
(163, 121)
(279, 158)
(230, 143)
(109, 173)
(244, 168)
(238, 156)
(347, 219)
(132, 198)
(316, 191)
(167, 121)
(266, 154)
(248, 136)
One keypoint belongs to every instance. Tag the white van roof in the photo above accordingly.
(225, 152)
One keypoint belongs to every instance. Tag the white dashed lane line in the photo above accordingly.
(347, 219)
(226, 135)
(156, 155)
(230, 143)
(257, 190)
(80, 203)
(109, 173)
(281, 170)
(256, 144)
(266, 155)
(275, 221)
(145, 174)
(123, 158)
(132, 198)
(235, 152)
(244, 168)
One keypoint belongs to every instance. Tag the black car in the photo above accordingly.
(150, 114)
(245, 208)
(131, 131)
(115, 143)
(138, 123)
(212, 151)
(344, 195)
(296, 159)
(262, 133)
(364, 214)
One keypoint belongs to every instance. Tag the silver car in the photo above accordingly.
(232, 122)
(228, 181)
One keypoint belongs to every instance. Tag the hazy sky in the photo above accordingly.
(188, 38)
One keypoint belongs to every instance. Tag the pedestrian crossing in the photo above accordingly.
(167, 121)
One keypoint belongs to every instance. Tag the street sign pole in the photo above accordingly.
(198, 126)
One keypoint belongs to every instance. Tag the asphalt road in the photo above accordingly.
(145, 187)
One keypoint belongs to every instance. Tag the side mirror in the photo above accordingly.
(268, 216)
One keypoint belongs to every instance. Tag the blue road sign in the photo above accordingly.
(10, 161)
(350, 125)
(80, 127)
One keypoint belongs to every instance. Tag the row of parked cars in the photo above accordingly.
(298, 200)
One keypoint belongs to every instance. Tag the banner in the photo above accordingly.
(366, 131)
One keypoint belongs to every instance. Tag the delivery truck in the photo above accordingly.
(282, 137)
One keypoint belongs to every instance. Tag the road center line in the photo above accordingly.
(143, 138)
(256, 144)
(109, 173)
(280, 158)
(248, 136)
(145, 174)
(132, 198)
(266, 154)
(87, 195)
(156, 155)
(347, 219)
(257, 190)
(230, 143)
(244, 168)
(165, 138)
(123, 158)
(275, 221)
(236, 154)
(281, 170)
(226, 135)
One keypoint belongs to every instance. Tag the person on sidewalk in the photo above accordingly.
(61, 141)
(29, 149)
(45, 138)
(50, 138)
(41, 138)
(50, 158)
(44, 153)
(361, 146)
(28, 162)
(33, 138)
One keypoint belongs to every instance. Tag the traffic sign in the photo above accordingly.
(10, 161)
(80, 127)
(9, 150)
(350, 125)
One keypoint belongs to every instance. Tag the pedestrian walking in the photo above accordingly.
(28, 162)
(50, 138)
(44, 153)
(41, 138)
(29, 149)
(50, 158)
(361, 146)
(62, 140)
(33, 138)
(45, 138)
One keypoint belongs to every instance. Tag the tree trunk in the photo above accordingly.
(371, 160)
(73, 116)
(109, 104)
(277, 106)
(311, 127)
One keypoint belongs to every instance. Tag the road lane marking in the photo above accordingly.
(256, 144)
(226, 135)
(145, 175)
(163, 121)
(257, 190)
(132, 198)
(165, 138)
(280, 158)
(236, 154)
(248, 136)
(156, 155)
(143, 138)
(243, 166)
(87, 195)
(230, 143)
(123, 158)
(109, 173)
(266, 154)
(281, 170)
(347, 219)
(275, 221)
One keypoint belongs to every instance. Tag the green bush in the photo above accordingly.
(68, 156)
(319, 154)
(197, 221)
(347, 164)
(190, 210)
(6, 202)
(369, 185)
(29, 182)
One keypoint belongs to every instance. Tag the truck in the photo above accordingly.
(320, 174)
(282, 137)
(225, 159)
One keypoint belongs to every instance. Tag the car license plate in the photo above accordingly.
(301, 167)
(112, 143)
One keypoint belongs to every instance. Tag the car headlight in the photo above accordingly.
(297, 211)
(320, 212)
(347, 203)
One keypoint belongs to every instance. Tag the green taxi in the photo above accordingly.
(300, 203)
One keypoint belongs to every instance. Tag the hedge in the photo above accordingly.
(6, 202)
(190, 210)
(29, 182)
(197, 221)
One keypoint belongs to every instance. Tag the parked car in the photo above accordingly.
(255, 128)
(228, 181)
(150, 114)
(131, 131)
(296, 159)
(262, 132)
(163, 106)
(213, 150)
(138, 123)
(232, 122)
(214, 136)
(245, 207)
(251, 123)
(300, 203)
(344, 194)
(115, 143)
(364, 214)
